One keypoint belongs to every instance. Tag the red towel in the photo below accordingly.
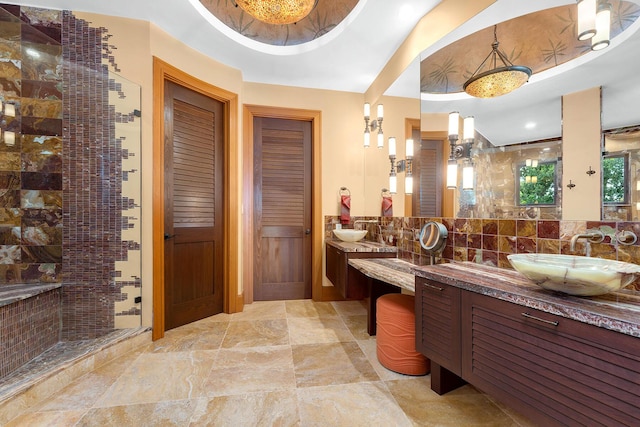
(387, 206)
(345, 209)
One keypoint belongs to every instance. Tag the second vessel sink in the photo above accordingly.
(575, 275)
(350, 235)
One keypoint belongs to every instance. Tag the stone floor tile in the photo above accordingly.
(309, 308)
(249, 370)
(256, 333)
(166, 413)
(277, 408)
(331, 363)
(155, 377)
(314, 330)
(350, 405)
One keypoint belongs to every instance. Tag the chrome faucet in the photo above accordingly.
(592, 236)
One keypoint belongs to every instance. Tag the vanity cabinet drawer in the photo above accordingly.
(438, 323)
(556, 370)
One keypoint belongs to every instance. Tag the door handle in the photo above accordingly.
(307, 231)
(168, 236)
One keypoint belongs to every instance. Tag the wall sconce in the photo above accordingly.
(594, 22)
(372, 125)
(460, 151)
(603, 26)
(405, 165)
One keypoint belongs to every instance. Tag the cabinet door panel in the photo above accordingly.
(438, 323)
(539, 363)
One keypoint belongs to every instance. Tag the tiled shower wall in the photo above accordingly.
(489, 241)
(64, 214)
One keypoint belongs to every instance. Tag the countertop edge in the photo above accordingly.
(507, 285)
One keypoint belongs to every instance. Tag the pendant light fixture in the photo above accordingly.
(277, 12)
(499, 80)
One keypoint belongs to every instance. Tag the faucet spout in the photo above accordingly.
(592, 236)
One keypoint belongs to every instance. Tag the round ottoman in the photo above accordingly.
(396, 335)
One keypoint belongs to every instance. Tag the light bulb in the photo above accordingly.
(408, 184)
(468, 130)
(367, 110)
(367, 139)
(603, 27)
(452, 173)
(392, 146)
(454, 118)
(380, 140)
(393, 183)
(586, 19)
(380, 111)
(467, 177)
(409, 149)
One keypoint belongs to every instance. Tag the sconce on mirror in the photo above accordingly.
(594, 22)
(460, 151)
(405, 165)
(372, 125)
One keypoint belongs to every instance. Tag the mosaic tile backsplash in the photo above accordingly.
(489, 241)
(69, 169)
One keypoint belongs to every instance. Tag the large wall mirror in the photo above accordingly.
(522, 128)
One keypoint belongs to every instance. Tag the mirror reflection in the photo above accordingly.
(527, 123)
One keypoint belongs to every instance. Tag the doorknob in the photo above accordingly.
(168, 236)
(307, 231)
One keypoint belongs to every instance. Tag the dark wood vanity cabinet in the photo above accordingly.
(438, 330)
(555, 370)
(344, 279)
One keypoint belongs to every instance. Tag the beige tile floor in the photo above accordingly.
(284, 363)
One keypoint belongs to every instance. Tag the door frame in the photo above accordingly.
(232, 302)
(315, 117)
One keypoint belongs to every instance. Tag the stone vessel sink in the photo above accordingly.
(349, 235)
(575, 275)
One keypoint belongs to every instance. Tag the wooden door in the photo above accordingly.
(194, 161)
(427, 171)
(282, 216)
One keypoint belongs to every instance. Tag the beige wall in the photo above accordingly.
(581, 148)
(344, 160)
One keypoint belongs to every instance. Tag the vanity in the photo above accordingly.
(559, 359)
(338, 253)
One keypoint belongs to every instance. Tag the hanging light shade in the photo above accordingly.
(501, 79)
(277, 12)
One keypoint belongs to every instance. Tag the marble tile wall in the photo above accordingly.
(64, 216)
(489, 241)
(28, 327)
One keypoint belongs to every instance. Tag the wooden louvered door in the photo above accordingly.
(282, 199)
(194, 135)
(427, 166)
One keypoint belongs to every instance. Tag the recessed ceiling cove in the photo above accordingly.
(324, 17)
(540, 41)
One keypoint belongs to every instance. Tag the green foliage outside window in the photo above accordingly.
(614, 182)
(537, 185)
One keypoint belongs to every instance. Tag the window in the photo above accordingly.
(615, 185)
(537, 185)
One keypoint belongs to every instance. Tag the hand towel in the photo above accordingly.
(387, 206)
(345, 209)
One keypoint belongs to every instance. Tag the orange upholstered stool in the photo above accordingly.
(396, 335)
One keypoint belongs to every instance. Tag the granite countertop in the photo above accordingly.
(394, 271)
(618, 311)
(12, 293)
(361, 246)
